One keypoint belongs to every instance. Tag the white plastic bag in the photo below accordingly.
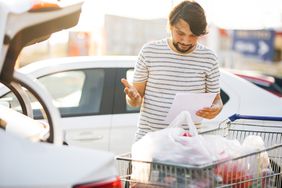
(166, 145)
(170, 145)
(256, 142)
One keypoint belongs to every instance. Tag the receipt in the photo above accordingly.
(191, 102)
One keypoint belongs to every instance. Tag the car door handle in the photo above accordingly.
(87, 136)
(94, 138)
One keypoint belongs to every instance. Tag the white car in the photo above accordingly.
(24, 161)
(91, 101)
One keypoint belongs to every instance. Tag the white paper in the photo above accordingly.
(191, 102)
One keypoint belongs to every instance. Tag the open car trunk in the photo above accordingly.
(24, 23)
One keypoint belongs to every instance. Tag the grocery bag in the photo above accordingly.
(175, 145)
(172, 145)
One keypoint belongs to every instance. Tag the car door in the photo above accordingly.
(84, 98)
(87, 121)
(125, 118)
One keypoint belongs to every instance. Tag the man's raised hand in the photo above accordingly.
(130, 90)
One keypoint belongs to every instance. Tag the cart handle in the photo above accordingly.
(266, 118)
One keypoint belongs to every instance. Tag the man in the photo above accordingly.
(177, 64)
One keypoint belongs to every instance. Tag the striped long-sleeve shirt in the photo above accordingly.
(167, 73)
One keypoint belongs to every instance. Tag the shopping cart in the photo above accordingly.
(236, 172)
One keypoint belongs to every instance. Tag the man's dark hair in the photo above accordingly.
(192, 13)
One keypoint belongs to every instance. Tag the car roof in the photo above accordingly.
(21, 27)
(79, 62)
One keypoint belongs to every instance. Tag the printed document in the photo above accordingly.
(191, 102)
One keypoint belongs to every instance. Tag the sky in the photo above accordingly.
(94, 10)
(244, 14)
(227, 14)
(249, 14)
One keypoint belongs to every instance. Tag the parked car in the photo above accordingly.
(267, 82)
(91, 101)
(24, 161)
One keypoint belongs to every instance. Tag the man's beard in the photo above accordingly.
(177, 44)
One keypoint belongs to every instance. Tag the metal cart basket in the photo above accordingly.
(228, 173)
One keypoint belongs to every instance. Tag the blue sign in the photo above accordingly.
(255, 43)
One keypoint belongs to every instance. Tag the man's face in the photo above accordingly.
(182, 38)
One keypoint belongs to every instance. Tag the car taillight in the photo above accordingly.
(113, 183)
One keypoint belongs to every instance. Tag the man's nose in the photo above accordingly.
(185, 41)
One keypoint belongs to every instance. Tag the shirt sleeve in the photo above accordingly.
(213, 77)
(141, 71)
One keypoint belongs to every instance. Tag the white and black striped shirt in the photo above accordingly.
(167, 73)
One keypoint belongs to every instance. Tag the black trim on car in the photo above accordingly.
(108, 91)
(224, 97)
(119, 98)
